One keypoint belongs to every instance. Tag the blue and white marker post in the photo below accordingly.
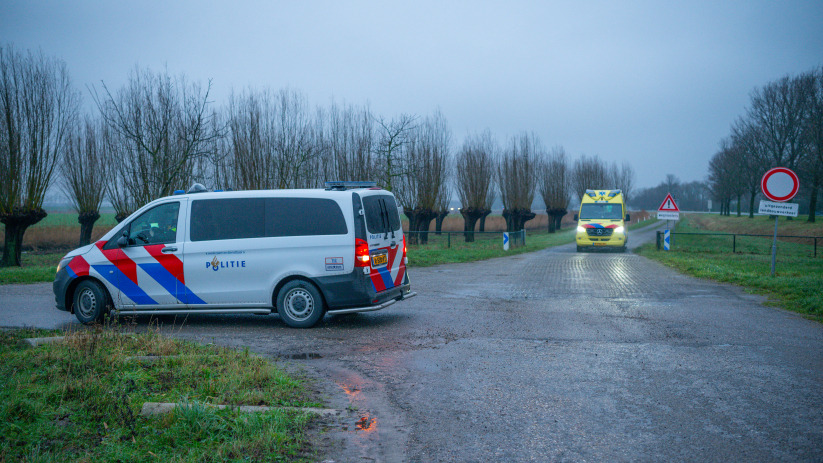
(666, 242)
(505, 241)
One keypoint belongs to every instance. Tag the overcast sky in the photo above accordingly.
(655, 83)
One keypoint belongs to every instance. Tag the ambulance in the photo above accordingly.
(299, 253)
(602, 222)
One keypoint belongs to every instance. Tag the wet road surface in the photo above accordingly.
(548, 356)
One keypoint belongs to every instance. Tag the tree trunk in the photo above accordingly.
(555, 216)
(738, 205)
(485, 213)
(752, 194)
(516, 218)
(813, 199)
(86, 220)
(16, 224)
(552, 222)
(121, 217)
(438, 224)
(559, 219)
(470, 217)
(413, 225)
(424, 220)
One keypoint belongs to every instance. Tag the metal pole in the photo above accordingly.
(815, 246)
(450, 238)
(774, 243)
(658, 240)
(734, 244)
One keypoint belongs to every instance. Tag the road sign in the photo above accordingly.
(668, 215)
(505, 241)
(668, 210)
(770, 208)
(779, 184)
(666, 240)
(669, 205)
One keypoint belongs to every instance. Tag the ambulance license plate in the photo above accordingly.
(379, 259)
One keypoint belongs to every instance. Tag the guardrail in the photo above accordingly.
(517, 238)
(812, 239)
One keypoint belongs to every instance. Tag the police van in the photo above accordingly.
(301, 253)
(602, 222)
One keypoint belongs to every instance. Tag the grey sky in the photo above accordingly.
(655, 83)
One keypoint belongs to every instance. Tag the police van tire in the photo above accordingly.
(299, 304)
(91, 302)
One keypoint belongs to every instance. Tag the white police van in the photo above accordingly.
(302, 253)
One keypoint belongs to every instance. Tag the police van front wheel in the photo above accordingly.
(91, 302)
(299, 304)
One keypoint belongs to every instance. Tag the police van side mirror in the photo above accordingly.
(628, 218)
(123, 241)
(575, 217)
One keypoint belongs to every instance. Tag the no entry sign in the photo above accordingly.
(779, 184)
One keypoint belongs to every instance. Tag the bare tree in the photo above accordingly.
(814, 139)
(554, 185)
(623, 179)
(589, 173)
(475, 169)
(517, 179)
(84, 170)
(350, 141)
(39, 107)
(747, 149)
(421, 190)
(164, 124)
(393, 136)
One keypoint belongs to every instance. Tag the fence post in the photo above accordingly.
(815, 246)
(524, 237)
(734, 244)
(658, 240)
(449, 234)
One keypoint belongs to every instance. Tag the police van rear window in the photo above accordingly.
(229, 219)
(381, 213)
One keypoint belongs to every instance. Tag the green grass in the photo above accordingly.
(795, 286)
(69, 219)
(485, 247)
(637, 225)
(37, 268)
(80, 401)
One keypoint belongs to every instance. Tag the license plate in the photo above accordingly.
(379, 259)
(599, 244)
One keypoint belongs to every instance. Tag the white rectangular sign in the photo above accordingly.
(668, 215)
(770, 208)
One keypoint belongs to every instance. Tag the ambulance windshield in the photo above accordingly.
(601, 211)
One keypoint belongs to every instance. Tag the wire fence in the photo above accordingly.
(448, 239)
(802, 246)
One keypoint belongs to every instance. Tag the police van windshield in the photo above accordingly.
(381, 213)
(601, 211)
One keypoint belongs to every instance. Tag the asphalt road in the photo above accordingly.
(548, 356)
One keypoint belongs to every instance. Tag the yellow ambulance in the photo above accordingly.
(602, 221)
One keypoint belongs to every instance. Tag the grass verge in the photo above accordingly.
(80, 401)
(795, 285)
(485, 247)
(37, 268)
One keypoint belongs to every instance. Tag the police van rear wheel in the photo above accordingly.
(91, 302)
(299, 304)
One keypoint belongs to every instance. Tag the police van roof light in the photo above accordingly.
(341, 185)
(197, 188)
(179, 192)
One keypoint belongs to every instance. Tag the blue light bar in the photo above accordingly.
(341, 185)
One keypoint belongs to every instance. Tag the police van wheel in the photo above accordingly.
(299, 304)
(91, 302)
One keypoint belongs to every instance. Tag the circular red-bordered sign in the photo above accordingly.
(780, 184)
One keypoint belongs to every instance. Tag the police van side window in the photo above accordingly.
(304, 217)
(158, 225)
(227, 219)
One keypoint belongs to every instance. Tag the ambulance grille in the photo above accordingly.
(599, 231)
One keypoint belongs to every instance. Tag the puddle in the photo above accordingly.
(302, 356)
(366, 423)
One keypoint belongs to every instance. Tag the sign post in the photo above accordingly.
(780, 185)
(668, 210)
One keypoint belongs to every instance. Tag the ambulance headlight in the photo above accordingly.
(619, 230)
(581, 230)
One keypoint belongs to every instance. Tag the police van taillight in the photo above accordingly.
(361, 253)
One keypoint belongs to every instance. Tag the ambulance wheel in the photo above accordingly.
(299, 304)
(91, 302)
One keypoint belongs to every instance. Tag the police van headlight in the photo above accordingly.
(63, 262)
(581, 230)
(619, 230)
